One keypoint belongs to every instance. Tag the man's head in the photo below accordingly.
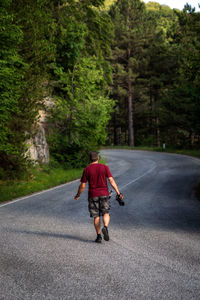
(94, 156)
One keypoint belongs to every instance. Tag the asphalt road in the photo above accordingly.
(47, 248)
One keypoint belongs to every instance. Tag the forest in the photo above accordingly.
(118, 72)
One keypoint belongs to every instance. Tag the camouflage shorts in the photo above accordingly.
(98, 206)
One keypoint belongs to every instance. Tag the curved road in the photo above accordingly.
(46, 240)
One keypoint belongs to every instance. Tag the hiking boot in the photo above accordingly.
(98, 239)
(105, 233)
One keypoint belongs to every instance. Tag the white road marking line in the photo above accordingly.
(56, 187)
(38, 193)
(134, 180)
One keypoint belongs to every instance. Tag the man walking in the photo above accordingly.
(98, 196)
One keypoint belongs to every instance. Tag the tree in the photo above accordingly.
(79, 83)
(12, 70)
(128, 55)
(162, 68)
(183, 111)
(26, 30)
(80, 115)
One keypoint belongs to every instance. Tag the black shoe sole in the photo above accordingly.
(105, 234)
(98, 242)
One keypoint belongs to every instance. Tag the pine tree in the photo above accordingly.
(181, 115)
(162, 66)
(128, 56)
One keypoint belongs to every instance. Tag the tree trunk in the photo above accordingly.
(130, 116)
(117, 132)
(130, 94)
(157, 117)
(192, 138)
(117, 136)
(130, 102)
(151, 116)
(158, 131)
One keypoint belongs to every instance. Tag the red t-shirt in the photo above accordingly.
(96, 175)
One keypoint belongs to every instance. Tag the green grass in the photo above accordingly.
(41, 179)
(44, 177)
(195, 153)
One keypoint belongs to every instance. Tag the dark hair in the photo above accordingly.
(94, 156)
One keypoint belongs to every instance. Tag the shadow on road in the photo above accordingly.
(52, 234)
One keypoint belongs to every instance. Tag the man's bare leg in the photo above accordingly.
(106, 219)
(97, 225)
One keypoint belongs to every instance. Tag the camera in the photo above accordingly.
(119, 199)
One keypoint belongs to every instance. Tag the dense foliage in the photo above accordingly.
(155, 57)
(12, 70)
(80, 78)
(136, 65)
(57, 49)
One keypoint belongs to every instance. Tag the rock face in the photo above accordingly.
(38, 149)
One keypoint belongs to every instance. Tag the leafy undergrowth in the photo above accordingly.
(41, 179)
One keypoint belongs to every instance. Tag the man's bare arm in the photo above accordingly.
(80, 190)
(114, 185)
